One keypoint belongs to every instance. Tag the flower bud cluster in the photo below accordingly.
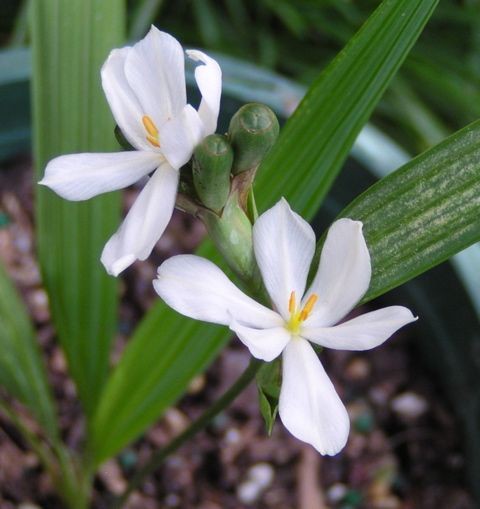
(218, 160)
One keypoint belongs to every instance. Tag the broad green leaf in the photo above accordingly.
(423, 213)
(167, 350)
(22, 372)
(71, 39)
(317, 139)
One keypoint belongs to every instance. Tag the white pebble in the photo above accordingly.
(233, 436)
(248, 492)
(336, 492)
(409, 405)
(262, 474)
(259, 477)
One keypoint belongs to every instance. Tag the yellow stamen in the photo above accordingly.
(153, 141)
(307, 309)
(292, 303)
(150, 126)
(297, 317)
(152, 131)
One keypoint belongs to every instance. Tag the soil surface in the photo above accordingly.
(403, 451)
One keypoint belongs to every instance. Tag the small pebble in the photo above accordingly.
(364, 423)
(248, 492)
(196, 385)
(176, 420)
(262, 473)
(112, 476)
(39, 305)
(409, 405)
(336, 492)
(378, 395)
(233, 436)
(259, 477)
(128, 459)
(357, 369)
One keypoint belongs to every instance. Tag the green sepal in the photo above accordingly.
(232, 235)
(268, 409)
(212, 164)
(122, 140)
(269, 380)
(253, 131)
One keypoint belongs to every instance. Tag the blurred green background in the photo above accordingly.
(436, 92)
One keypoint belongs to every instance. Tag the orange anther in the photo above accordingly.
(292, 304)
(150, 126)
(307, 309)
(153, 141)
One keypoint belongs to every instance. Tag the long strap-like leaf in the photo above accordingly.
(71, 39)
(423, 213)
(22, 372)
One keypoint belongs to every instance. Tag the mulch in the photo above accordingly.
(403, 451)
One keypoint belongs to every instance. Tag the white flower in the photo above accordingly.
(145, 88)
(284, 245)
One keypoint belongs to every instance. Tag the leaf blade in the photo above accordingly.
(423, 213)
(22, 371)
(339, 103)
(70, 41)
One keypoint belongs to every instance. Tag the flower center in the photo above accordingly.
(297, 316)
(152, 131)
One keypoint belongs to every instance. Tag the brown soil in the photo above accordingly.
(403, 451)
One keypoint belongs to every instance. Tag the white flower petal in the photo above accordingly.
(145, 222)
(197, 288)
(81, 176)
(343, 275)
(123, 102)
(309, 405)
(180, 135)
(284, 244)
(209, 80)
(363, 332)
(155, 70)
(265, 344)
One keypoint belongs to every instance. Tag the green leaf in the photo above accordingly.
(167, 350)
(269, 381)
(423, 213)
(22, 371)
(268, 409)
(71, 39)
(318, 137)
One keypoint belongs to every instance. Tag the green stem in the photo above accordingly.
(158, 457)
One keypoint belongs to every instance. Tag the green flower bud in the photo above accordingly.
(212, 163)
(253, 131)
(232, 235)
